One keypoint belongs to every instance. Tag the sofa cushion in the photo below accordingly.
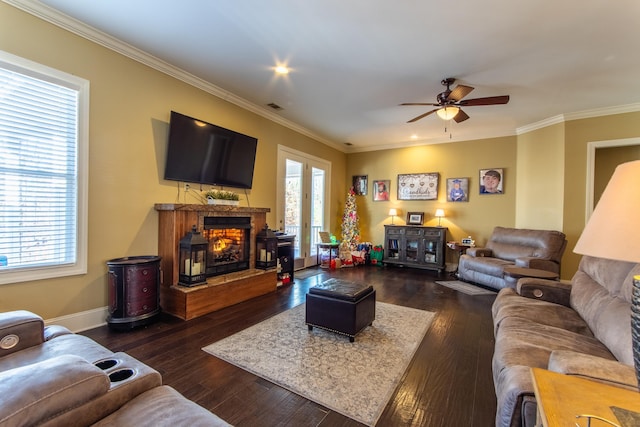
(509, 303)
(601, 295)
(34, 394)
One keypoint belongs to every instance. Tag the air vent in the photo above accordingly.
(348, 144)
(275, 106)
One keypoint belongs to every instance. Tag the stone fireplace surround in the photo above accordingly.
(174, 221)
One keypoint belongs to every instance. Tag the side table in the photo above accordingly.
(460, 248)
(332, 248)
(561, 398)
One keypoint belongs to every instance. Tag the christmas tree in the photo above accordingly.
(350, 228)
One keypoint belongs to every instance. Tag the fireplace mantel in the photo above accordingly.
(175, 220)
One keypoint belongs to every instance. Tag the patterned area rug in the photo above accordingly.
(466, 288)
(354, 379)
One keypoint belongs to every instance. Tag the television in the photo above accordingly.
(203, 153)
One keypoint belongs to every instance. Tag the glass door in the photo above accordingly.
(302, 192)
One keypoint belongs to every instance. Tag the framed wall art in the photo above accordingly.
(457, 189)
(380, 190)
(491, 181)
(360, 183)
(415, 218)
(418, 186)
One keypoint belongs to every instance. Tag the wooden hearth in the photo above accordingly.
(175, 220)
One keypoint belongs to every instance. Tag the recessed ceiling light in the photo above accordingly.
(281, 69)
(414, 136)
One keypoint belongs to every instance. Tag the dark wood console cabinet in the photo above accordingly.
(415, 246)
(285, 257)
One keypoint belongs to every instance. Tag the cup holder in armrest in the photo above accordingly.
(106, 364)
(121, 375)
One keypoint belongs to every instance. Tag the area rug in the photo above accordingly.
(307, 272)
(465, 288)
(355, 379)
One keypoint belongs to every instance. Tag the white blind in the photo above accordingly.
(38, 172)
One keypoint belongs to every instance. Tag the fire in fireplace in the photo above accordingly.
(229, 244)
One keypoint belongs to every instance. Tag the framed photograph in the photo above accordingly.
(380, 190)
(415, 218)
(491, 181)
(457, 189)
(418, 186)
(360, 184)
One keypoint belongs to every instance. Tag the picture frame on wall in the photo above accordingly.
(381, 190)
(457, 189)
(418, 186)
(491, 181)
(415, 218)
(360, 183)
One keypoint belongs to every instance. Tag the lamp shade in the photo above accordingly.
(439, 213)
(447, 113)
(613, 231)
(393, 212)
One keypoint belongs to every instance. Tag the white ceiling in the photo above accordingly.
(354, 61)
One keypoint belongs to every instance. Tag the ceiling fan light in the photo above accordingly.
(447, 113)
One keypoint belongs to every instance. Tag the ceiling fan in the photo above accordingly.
(450, 101)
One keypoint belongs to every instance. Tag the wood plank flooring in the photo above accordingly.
(448, 383)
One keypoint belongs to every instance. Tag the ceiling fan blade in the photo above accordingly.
(490, 100)
(419, 103)
(459, 92)
(421, 116)
(461, 116)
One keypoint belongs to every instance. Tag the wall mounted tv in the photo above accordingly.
(203, 153)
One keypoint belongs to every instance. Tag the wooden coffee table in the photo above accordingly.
(518, 272)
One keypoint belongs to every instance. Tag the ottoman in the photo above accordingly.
(341, 306)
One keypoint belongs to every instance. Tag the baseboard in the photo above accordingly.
(81, 321)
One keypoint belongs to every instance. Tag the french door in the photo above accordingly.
(303, 194)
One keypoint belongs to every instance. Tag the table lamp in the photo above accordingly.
(613, 232)
(392, 212)
(439, 215)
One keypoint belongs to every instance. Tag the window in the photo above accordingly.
(43, 171)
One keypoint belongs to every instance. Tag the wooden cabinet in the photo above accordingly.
(415, 246)
(134, 291)
(285, 258)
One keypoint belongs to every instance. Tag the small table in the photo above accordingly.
(561, 398)
(460, 248)
(324, 246)
(518, 272)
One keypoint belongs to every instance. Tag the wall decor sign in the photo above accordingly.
(360, 183)
(457, 189)
(415, 218)
(418, 186)
(491, 181)
(380, 190)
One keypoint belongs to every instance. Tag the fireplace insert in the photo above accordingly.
(229, 244)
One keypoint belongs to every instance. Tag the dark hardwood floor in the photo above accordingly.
(448, 382)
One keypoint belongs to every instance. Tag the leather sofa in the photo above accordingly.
(52, 377)
(581, 328)
(512, 247)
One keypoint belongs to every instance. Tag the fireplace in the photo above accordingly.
(229, 244)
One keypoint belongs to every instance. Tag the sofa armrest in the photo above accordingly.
(555, 291)
(593, 368)
(535, 262)
(36, 393)
(19, 329)
(53, 331)
(479, 252)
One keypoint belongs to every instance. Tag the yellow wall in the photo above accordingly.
(476, 218)
(129, 114)
(540, 171)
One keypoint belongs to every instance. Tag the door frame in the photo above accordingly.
(305, 259)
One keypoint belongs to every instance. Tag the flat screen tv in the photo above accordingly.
(203, 153)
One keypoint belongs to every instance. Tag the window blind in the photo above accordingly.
(38, 172)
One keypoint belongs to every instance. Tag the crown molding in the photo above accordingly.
(579, 115)
(83, 30)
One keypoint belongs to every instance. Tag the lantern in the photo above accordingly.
(266, 248)
(193, 259)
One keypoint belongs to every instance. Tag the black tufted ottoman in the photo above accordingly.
(341, 306)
